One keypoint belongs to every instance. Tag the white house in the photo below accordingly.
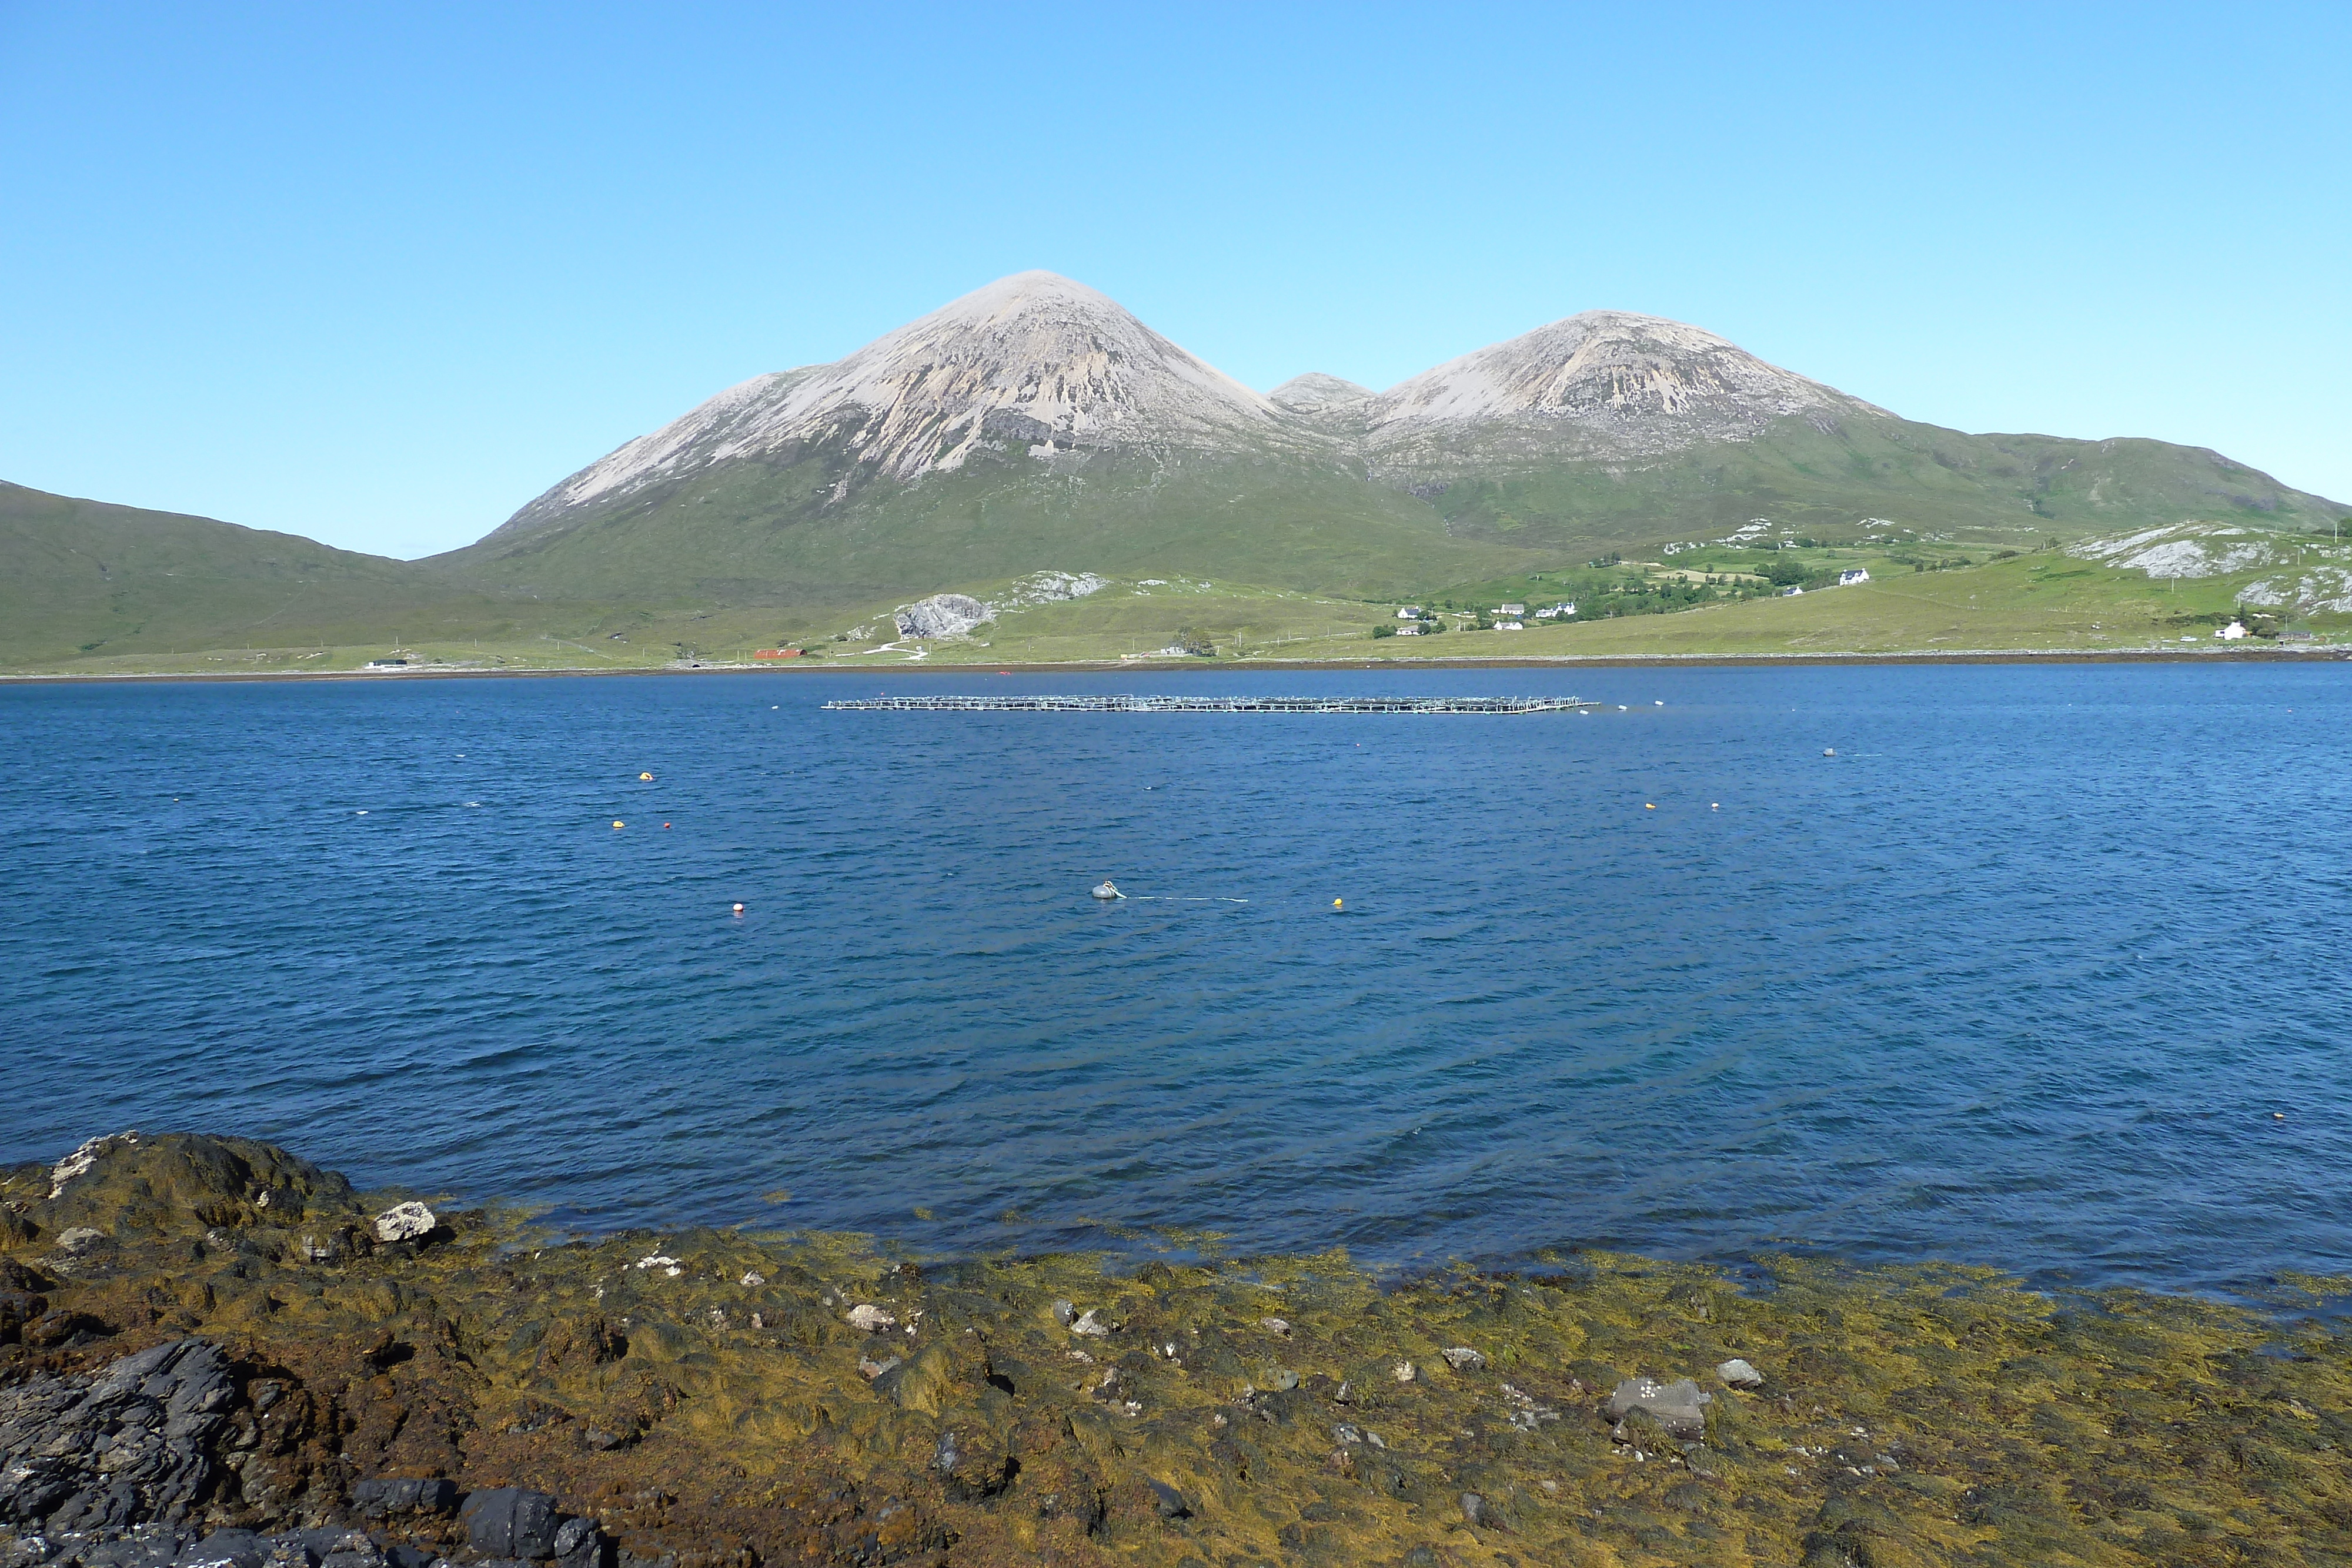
(1410, 612)
(2232, 631)
(1556, 610)
(1409, 629)
(1510, 626)
(1514, 611)
(1790, 592)
(1848, 579)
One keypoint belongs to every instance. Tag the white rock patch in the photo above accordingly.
(404, 1222)
(80, 1162)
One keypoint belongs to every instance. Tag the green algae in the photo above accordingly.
(707, 1392)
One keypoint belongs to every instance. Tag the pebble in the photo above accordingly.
(872, 1319)
(1403, 1371)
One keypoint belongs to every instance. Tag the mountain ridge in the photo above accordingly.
(1036, 425)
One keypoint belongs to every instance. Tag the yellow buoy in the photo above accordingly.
(619, 824)
(646, 778)
(1646, 806)
(1336, 905)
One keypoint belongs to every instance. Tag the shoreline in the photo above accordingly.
(702, 1397)
(1563, 661)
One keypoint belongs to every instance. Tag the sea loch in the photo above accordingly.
(2023, 973)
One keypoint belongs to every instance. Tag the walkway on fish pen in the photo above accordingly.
(1213, 704)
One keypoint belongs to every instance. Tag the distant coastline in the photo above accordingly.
(2235, 655)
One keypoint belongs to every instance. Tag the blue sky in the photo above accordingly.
(380, 274)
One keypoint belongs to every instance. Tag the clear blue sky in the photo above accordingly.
(379, 274)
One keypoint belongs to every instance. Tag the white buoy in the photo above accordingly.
(1107, 889)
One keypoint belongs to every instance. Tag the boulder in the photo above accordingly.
(509, 1521)
(1678, 1407)
(79, 1239)
(580, 1544)
(404, 1222)
(1462, 1358)
(1739, 1374)
(227, 1548)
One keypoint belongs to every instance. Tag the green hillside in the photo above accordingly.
(1918, 477)
(749, 534)
(88, 581)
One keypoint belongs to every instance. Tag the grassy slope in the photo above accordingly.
(752, 535)
(1923, 477)
(84, 579)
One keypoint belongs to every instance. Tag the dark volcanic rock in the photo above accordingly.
(508, 1521)
(131, 1446)
(381, 1498)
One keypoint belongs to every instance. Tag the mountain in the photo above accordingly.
(1033, 425)
(1036, 425)
(1604, 383)
(1033, 360)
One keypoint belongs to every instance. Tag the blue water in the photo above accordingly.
(2019, 975)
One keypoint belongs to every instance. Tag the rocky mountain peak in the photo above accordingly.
(1314, 393)
(1609, 377)
(1034, 360)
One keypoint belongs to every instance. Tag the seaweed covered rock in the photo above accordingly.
(131, 1186)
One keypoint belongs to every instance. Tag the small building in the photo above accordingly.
(387, 664)
(2298, 634)
(1510, 626)
(1848, 579)
(1513, 611)
(1409, 629)
(777, 653)
(1790, 592)
(2232, 631)
(1410, 612)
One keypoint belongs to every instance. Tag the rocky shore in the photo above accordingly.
(213, 1351)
